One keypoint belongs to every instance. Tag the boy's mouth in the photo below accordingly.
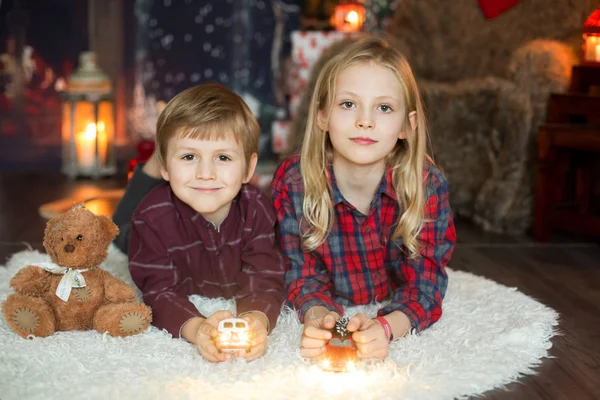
(206, 190)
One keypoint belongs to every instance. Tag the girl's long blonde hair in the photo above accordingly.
(406, 159)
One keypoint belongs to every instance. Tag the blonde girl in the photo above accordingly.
(363, 210)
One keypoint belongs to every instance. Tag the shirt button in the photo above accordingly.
(368, 229)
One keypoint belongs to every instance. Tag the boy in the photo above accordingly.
(205, 231)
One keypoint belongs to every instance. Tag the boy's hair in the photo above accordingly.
(406, 159)
(207, 112)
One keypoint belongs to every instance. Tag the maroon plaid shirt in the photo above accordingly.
(359, 263)
(174, 252)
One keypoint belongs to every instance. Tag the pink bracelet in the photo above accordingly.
(387, 328)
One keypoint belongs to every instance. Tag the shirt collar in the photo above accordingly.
(386, 186)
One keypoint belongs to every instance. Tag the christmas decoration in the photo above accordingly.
(341, 349)
(233, 335)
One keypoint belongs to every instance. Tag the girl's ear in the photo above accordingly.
(251, 167)
(321, 121)
(412, 119)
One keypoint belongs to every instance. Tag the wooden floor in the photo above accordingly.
(563, 274)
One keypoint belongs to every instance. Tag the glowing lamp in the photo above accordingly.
(88, 123)
(340, 354)
(348, 17)
(234, 334)
(590, 54)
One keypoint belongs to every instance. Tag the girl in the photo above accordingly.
(363, 210)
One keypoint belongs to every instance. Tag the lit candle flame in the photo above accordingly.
(90, 132)
(352, 17)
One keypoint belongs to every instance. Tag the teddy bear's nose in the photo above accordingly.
(69, 248)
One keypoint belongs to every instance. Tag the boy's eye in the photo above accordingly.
(188, 157)
(223, 157)
(385, 108)
(347, 105)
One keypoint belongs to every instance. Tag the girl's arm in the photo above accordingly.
(308, 280)
(420, 299)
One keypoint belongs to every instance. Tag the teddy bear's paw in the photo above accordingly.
(28, 316)
(26, 319)
(132, 323)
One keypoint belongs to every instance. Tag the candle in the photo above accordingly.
(86, 146)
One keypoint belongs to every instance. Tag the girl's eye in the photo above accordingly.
(188, 157)
(79, 237)
(385, 108)
(347, 105)
(223, 157)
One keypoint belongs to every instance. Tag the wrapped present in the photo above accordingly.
(280, 131)
(309, 45)
(294, 103)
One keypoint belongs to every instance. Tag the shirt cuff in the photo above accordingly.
(413, 310)
(173, 319)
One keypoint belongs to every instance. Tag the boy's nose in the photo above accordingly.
(205, 170)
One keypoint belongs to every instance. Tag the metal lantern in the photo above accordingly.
(348, 17)
(88, 130)
(590, 54)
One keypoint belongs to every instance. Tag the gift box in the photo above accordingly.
(307, 47)
(280, 131)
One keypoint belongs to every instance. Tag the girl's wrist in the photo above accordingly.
(387, 328)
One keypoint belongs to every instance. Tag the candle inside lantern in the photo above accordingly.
(348, 17)
(86, 145)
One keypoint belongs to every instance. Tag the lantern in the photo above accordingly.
(591, 40)
(348, 16)
(88, 123)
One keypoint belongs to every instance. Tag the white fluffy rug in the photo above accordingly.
(490, 335)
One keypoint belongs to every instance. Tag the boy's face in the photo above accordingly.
(207, 174)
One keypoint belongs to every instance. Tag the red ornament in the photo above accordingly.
(145, 149)
(492, 8)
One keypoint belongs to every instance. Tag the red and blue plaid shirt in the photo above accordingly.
(359, 263)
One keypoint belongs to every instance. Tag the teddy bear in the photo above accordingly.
(73, 292)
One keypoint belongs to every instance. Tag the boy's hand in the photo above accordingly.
(205, 337)
(369, 336)
(257, 324)
(317, 323)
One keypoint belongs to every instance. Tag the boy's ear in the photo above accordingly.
(321, 121)
(164, 173)
(251, 167)
(412, 119)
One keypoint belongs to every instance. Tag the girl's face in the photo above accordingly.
(367, 115)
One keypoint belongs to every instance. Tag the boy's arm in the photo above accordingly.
(262, 279)
(420, 299)
(155, 274)
(307, 279)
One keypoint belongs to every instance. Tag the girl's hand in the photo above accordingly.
(257, 325)
(369, 336)
(205, 337)
(316, 332)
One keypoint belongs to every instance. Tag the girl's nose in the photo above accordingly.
(365, 122)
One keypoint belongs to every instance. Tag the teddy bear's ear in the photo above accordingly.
(109, 226)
